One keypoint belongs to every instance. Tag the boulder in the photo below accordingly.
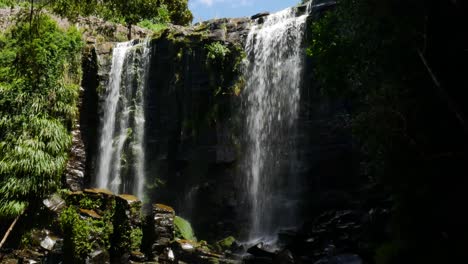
(54, 203)
(259, 15)
(98, 256)
(259, 250)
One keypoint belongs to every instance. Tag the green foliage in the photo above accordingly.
(366, 53)
(83, 235)
(135, 237)
(178, 11)
(38, 94)
(183, 229)
(74, 8)
(157, 11)
(217, 51)
(358, 50)
(6, 3)
(225, 243)
(89, 203)
(156, 27)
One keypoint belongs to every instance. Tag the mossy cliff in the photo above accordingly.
(192, 94)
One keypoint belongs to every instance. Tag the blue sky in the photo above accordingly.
(207, 9)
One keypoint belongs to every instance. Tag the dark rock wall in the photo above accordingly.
(193, 129)
(190, 143)
(328, 157)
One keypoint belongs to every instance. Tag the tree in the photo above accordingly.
(38, 94)
(133, 12)
(399, 64)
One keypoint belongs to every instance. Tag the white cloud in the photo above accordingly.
(232, 3)
(206, 2)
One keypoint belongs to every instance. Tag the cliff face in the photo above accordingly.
(190, 103)
(193, 112)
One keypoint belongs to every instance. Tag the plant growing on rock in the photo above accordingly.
(217, 51)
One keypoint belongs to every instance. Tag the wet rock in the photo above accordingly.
(341, 259)
(98, 257)
(284, 257)
(42, 240)
(137, 256)
(54, 203)
(218, 35)
(127, 224)
(167, 256)
(90, 213)
(29, 256)
(49, 242)
(259, 250)
(97, 191)
(10, 261)
(131, 206)
(76, 165)
(192, 252)
(163, 217)
(259, 15)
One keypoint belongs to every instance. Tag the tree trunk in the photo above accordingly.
(9, 231)
(444, 94)
(129, 34)
(31, 13)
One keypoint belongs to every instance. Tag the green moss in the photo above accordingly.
(82, 236)
(227, 242)
(135, 237)
(183, 229)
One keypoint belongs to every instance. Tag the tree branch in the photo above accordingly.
(9, 231)
(451, 104)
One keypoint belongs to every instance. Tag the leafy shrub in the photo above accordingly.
(149, 24)
(39, 77)
(217, 51)
(6, 3)
(183, 229)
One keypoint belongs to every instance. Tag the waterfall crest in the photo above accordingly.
(121, 152)
(271, 99)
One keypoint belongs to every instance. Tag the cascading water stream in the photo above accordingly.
(271, 98)
(121, 150)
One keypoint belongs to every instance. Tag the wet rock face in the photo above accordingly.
(127, 233)
(163, 217)
(74, 173)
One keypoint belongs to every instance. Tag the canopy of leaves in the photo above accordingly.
(39, 73)
(369, 53)
(130, 12)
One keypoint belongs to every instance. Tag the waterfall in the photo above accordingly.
(271, 99)
(121, 153)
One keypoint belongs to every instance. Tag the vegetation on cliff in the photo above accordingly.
(398, 65)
